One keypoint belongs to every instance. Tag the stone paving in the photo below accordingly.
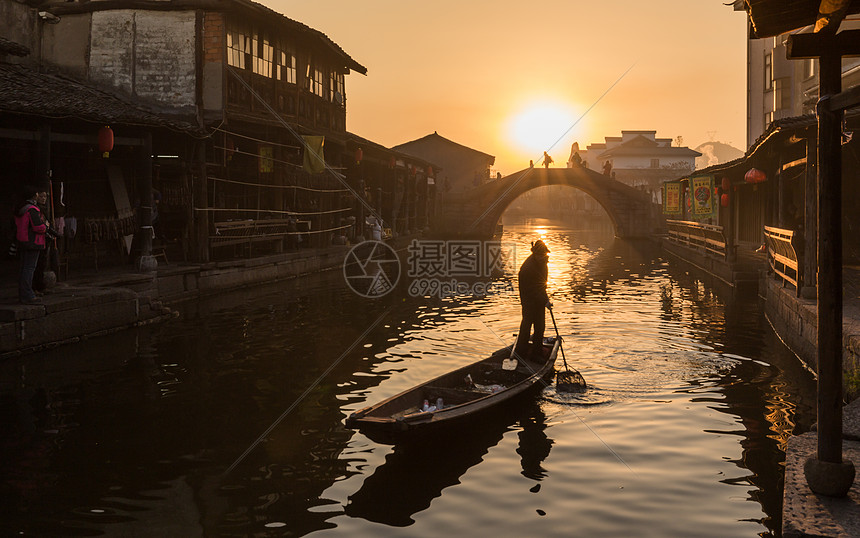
(89, 305)
(807, 514)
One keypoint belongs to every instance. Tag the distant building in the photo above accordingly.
(463, 167)
(639, 159)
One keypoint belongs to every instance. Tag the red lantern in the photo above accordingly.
(430, 171)
(105, 140)
(726, 184)
(754, 175)
(724, 200)
(359, 155)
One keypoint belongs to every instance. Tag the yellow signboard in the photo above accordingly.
(672, 198)
(703, 197)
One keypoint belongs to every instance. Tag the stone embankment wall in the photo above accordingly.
(795, 320)
(110, 302)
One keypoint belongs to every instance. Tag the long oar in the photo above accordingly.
(569, 380)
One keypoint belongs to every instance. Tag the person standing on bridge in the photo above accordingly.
(533, 298)
(547, 160)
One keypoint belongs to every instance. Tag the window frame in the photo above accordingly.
(286, 64)
(768, 71)
(237, 46)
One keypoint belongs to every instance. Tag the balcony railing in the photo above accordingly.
(784, 255)
(706, 238)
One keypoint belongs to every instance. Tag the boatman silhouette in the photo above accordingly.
(533, 299)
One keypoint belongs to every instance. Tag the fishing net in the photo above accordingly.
(569, 381)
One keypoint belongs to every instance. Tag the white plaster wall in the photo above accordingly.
(147, 54)
(632, 162)
(111, 49)
(165, 57)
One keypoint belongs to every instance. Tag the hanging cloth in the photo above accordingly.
(314, 160)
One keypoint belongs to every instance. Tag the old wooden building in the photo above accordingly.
(270, 165)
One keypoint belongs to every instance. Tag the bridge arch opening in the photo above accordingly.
(477, 212)
(561, 203)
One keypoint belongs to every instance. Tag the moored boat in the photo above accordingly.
(455, 397)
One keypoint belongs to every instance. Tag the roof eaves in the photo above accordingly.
(296, 25)
(491, 158)
(29, 92)
(63, 7)
(10, 47)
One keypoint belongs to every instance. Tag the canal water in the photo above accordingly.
(229, 420)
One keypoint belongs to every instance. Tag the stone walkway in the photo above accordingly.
(804, 513)
(89, 305)
(807, 514)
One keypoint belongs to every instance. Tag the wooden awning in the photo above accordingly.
(769, 18)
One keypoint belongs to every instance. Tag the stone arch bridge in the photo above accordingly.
(476, 212)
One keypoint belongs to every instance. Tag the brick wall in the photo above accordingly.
(214, 44)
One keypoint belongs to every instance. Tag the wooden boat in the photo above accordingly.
(464, 393)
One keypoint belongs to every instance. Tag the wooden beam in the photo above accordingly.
(847, 99)
(21, 134)
(792, 164)
(845, 43)
(830, 266)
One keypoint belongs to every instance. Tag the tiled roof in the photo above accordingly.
(26, 91)
(370, 144)
(782, 127)
(296, 25)
(10, 47)
(436, 136)
(653, 150)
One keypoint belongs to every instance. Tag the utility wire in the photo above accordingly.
(306, 146)
(307, 391)
(525, 173)
(249, 184)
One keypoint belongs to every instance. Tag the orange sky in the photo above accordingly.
(469, 68)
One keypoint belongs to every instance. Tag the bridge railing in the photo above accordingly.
(783, 247)
(706, 238)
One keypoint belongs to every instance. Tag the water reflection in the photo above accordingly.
(417, 471)
(132, 433)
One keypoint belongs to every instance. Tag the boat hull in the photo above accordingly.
(491, 388)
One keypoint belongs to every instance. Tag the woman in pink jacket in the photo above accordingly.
(30, 232)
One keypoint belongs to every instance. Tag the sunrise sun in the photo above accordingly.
(541, 124)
